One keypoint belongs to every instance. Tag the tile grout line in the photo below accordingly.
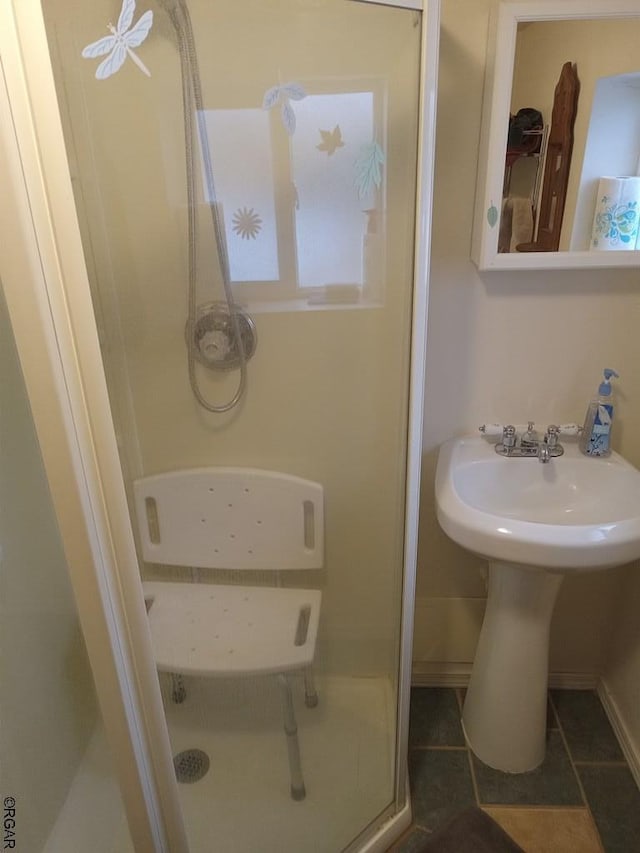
(555, 724)
(570, 756)
(575, 772)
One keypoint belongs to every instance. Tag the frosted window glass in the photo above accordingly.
(240, 146)
(330, 220)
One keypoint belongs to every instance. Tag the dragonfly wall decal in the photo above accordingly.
(119, 44)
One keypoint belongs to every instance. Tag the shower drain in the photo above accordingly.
(191, 765)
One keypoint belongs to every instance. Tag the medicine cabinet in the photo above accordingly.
(559, 156)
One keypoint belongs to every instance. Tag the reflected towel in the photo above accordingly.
(516, 223)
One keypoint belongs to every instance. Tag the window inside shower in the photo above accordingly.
(277, 230)
(309, 114)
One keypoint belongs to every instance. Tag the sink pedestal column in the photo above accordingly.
(505, 709)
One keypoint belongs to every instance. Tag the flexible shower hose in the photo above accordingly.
(192, 103)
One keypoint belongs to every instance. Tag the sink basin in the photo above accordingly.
(571, 513)
(535, 523)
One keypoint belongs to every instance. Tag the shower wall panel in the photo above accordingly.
(328, 386)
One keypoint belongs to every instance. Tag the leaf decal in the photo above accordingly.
(368, 167)
(294, 91)
(492, 216)
(288, 117)
(331, 140)
(271, 97)
(282, 95)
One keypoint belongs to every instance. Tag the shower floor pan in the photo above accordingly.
(243, 802)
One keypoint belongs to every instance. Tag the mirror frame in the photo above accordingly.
(495, 124)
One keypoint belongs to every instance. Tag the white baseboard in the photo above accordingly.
(430, 674)
(433, 674)
(627, 743)
(573, 680)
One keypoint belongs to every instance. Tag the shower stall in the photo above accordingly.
(216, 219)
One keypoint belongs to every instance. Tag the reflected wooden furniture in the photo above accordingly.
(557, 163)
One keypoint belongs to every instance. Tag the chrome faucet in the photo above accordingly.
(549, 444)
(530, 445)
(530, 437)
(543, 452)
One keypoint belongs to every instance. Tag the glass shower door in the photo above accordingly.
(245, 179)
(59, 791)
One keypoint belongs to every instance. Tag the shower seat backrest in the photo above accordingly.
(231, 518)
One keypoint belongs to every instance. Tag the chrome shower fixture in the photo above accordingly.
(214, 340)
(216, 332)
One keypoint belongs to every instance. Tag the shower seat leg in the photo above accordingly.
(291, 731)
(178, 690)
(310, 693)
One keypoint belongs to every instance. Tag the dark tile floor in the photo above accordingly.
(582, 798)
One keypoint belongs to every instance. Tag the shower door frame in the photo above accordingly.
(49, 300)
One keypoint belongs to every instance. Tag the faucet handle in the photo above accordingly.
(530, 437)
(509, 436)
(551, 436)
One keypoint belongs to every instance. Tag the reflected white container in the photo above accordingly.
(615, 221)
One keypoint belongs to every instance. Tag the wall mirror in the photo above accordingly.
(559, 159)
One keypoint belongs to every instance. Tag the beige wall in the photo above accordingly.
(507, 347)
(47, 708)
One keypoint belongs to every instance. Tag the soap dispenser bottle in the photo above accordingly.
(596, 432)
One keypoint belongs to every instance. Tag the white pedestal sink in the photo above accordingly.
(534, 523)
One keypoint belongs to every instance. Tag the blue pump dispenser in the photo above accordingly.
(596, 433)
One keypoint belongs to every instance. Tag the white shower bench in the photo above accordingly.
(237, 519)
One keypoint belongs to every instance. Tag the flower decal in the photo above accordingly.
(246, 223)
